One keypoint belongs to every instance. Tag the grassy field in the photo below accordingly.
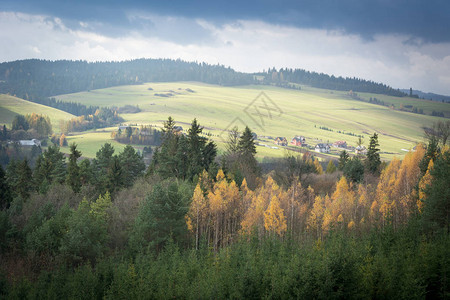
(276, 112)
(11, 106)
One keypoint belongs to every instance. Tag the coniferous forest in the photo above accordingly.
(37, 80)
(197, 225)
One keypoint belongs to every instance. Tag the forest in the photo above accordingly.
(38, 80)
(194, 224)
(285, 77)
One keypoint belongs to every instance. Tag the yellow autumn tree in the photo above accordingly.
(224, 208)
(254, 216)
(385, 200)
(294, 202)
(343, 202)
(315, 219)
(423, 183)
(196, 216)
(274, 219)
(396, 191)
(318, 166)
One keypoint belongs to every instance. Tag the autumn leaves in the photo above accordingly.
(221, 211)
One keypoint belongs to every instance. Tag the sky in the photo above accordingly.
(402, 43)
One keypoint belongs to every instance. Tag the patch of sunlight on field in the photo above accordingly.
(284, 112)
(11, 106)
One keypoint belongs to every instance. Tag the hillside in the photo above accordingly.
(35, 80)
(291, 112)
(11, 106)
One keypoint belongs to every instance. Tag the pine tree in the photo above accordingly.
(436, 209)
(73, 170)
(114, 176)
(101, 165)
(196, 146)
(373, 161)
(248, 165)
(431, 154)
(132, 165)
(50, 168)
(5, 191)
(19, 178)
(232, 142)
(343, 159)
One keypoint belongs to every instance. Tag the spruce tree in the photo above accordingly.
(343, 159)
(373, 160)
(431, 154)
(247, 164)
(196, 146)
(5, 191)
(73, 170)
(132, 165)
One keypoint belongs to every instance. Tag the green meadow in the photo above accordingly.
(276, 112)
(269, 111)
(11, 106)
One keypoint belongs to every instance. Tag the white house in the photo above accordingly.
(322, 148)
(33, 142)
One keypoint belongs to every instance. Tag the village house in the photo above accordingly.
(33, 142)
(177, 129)
(123, 127)
(281, 141)
(361, 150)
(322, 148)
(340, 144)
(299, 141)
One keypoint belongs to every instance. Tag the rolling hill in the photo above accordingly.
(319, 115)
(11, 106)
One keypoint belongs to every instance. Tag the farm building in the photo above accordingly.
(33, 142)
(299, 141)
(361, 150)
(322, 148)
(281, 141)
(177, 129)
(340, 144)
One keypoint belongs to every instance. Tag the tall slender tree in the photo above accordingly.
(373, 160)
(73, 170)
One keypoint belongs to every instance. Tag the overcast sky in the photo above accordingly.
(403, 43)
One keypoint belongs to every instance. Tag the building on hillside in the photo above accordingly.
(340, 144)
(299, 141)
(123, 127)
(281, 141)
(255, 136)
(361, 150)
(322, 148)
(177, 129)
(30, 143)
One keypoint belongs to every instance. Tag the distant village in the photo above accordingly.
(300, 141)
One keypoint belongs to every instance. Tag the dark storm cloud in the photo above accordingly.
(427, 20)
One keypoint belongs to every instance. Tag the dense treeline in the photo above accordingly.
(37, 80)
(32, 79)
(102, 117)
(325, 81)
(144, 135)
(73, 108)
(188, 229)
